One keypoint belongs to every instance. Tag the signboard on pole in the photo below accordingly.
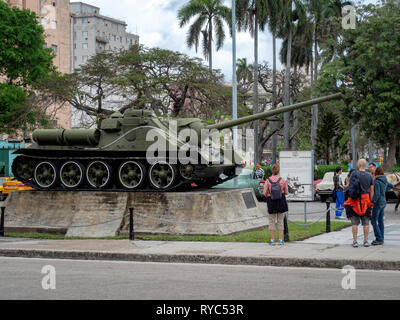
(297, 168)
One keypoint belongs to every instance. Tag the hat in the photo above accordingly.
(258, 166)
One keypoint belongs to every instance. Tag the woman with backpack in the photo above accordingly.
(276, 190)
(381, 185)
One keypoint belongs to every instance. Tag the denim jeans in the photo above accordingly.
(339, 203)
(377, 222)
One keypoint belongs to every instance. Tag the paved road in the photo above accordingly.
(22, 278)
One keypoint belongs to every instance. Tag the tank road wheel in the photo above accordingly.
(98, 174)
(186, 171)
(163, 175)
(132, 175)
(23, 167)
(72, 174)
(46, 175)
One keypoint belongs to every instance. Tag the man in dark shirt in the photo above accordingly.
(367, 188)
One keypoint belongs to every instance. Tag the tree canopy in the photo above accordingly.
(23, 61)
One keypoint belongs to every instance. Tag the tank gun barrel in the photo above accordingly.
(263, 115)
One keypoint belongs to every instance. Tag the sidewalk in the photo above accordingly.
(297, 254)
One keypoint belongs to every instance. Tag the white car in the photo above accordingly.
(326, 186)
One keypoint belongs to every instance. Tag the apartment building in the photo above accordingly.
(93, 33)
(54, 16)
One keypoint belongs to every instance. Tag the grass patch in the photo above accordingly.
(296, 233)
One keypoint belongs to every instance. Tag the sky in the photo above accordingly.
(155, 21)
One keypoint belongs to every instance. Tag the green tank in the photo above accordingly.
(117, 156)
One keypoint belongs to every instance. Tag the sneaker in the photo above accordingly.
(281, 243)
(272, 242)
(366, 244)
(340, 218)
(355, 244)
(377, 243)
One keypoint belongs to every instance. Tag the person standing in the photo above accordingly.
(259, 172)
(381, 185)
(372, 169)
(359, 205)
(339, 192)
(276, 190)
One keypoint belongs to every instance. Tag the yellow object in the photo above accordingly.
(2, 180)
(10, 185)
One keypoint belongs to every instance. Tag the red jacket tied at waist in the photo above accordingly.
(360, 207)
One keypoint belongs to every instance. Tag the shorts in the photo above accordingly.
(364, 220)
(276, 221)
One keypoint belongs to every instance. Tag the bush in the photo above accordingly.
(322, 169)
(396, 169)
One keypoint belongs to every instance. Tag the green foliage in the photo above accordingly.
(371, 54)
(330, 136)
(23, 57)
(396, 169)
(167, 82)
(23, 62)
(210, 16)
(322, 169)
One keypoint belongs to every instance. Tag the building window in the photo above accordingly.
(74, 45)
(54, 24)
(84, 59)
(53, 3)
(43, 22)
(85, 46)
(120, 39)
(54, 48)
(115, 38)
(75, 58)
(85, 20)
(84, 34)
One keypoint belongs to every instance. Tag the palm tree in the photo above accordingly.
(210, 15)
(244, 71)
(320, 12)
(291, 11)
(271, 18)
(302, 57)
(249, 14)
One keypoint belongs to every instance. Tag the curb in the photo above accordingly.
(203, 259)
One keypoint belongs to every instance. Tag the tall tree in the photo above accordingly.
(272, 20)
(210, 17)
(292, 11)
(250, 14)
(23, 61)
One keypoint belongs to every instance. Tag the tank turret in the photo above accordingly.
(117, 155)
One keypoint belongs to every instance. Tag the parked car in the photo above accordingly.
(11, 185)
(247, 179)
(325, 187)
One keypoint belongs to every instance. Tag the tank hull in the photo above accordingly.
(201, 175)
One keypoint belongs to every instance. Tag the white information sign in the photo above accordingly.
(297, 168)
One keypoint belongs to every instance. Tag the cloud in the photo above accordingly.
(156, 23)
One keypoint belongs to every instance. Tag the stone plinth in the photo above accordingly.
(210, 212)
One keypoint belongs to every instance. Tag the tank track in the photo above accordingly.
(114, 188)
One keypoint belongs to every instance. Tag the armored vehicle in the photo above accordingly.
(116, 155)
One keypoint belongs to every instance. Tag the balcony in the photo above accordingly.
(101, 39)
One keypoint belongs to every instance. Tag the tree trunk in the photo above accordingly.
(314, 73)
(255, 90)
(295, 119)
(287, 90)
(210, 44)
(274, 98)
(391, 159)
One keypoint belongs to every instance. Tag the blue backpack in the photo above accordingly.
(354, 189)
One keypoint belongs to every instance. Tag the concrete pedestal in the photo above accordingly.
(102, 214)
